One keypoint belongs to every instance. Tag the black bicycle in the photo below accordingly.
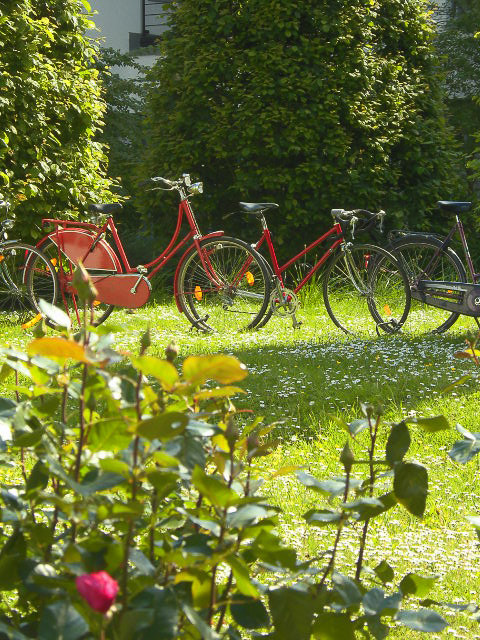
(26, 275)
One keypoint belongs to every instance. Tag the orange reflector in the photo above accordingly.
(449, 291)
(31, 323)
(96, 303)
(198, 293)
(54, 262)
(250, 278)
(388, 311)
(2, 258)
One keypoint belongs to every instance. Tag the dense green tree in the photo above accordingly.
(314, 104)
(124, 95)
(50, 111)
(461, 61)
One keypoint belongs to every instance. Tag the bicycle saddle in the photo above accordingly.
(107, 209)
(454, 207)
(257, 208)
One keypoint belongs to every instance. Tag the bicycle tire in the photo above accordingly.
(415, 252)
(64, 269)
(379, 296)
(240, 302)
(26, 275)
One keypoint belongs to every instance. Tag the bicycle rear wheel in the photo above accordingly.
(64, 269)
(364, 289)
(238, 297)
(416, 253)
(26, 275)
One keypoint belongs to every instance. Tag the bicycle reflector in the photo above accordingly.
(387, 310)
(250, 278)
(2, 258)
(198, 293)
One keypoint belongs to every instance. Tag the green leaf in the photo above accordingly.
(162, 370)
(219, 392)
(347, 589)
(248, 514)
(215, 490)
(249, 613)
(357, 426)
(398, 443)
(292, 610)
(456, 383)
(334, 487)
(410, 485)
(421, 620)
(464, 450)
(61, 620)
(38, 478)
(431, 424)
(242, 576)
(10, 633)
(223, 369)
(115, 466)
(333, 626)
(384, 571)
(375, 603)
(322, 517)
(54, 314)
(420, 586)
(163, 426)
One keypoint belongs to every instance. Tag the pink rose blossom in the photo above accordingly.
(98, 589)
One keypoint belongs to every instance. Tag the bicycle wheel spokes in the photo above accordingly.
(232, 295)
(365, 288)
(17, 305)
(416, 255)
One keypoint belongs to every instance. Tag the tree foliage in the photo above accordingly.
(313, 104)
(124, 97)
(50, 111)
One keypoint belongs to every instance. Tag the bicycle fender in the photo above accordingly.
(76, 243)
(214, 234)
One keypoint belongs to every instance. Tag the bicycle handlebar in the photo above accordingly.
(182, 185)
(365, 217)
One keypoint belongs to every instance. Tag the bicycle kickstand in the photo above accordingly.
(196, 324)
(296, 324)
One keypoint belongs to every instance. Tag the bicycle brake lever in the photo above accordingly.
(381, 215)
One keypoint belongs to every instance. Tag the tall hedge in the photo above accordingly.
(50, 111)
(313, 103)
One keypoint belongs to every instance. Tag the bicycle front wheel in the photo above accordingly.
(416, 254)
(365, 289)
(64, 269)
(26, 275)
(233, 295)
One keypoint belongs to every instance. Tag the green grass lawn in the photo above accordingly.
(300, 378)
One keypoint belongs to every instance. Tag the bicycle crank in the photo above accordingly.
(284, 303)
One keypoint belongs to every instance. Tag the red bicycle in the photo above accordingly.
(220, 283)
(361, 282)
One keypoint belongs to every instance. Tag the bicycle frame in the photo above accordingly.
(337, 236)
(457, 227)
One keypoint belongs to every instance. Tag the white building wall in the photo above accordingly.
(115, 19)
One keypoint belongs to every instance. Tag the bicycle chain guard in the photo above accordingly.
(285, 303)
